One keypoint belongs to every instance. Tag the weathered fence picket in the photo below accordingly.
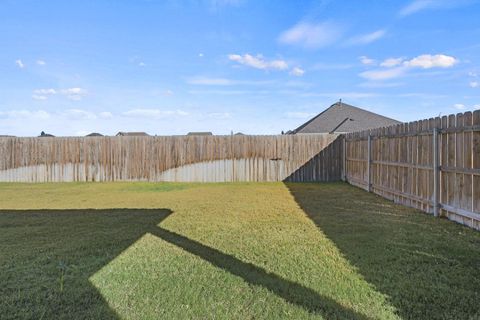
(309, 157)
(432, 165)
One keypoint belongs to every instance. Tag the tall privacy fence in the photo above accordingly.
(432, 165)
(314, 157)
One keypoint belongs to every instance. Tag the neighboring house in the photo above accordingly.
(132, 134)
(199, 134)
(45, 135)
(342, 118)
(94, 134)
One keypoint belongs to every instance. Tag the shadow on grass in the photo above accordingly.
(39, 246)
(427, 267)
(290, 291)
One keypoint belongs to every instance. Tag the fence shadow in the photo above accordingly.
(427, 267)
(37, 246)
(290, 291)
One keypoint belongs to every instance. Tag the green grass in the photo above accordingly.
(229, 251)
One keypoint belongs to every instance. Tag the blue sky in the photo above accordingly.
(169, 67)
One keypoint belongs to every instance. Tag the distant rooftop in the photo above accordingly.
(342, 118)
(45, 135)
(200, 134)
(132, 134)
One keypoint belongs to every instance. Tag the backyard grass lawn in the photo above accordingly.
(229, 251)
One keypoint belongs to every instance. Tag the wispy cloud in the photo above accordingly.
(45, 91)
(366, 60)
(25, 114)
(210, 81)
(79, 114)
(397, 67)
(298, 72)
(391, 62)
(71, 93)
(220, 115)
(367, 38)
(420, 5)
(258, 62)
(474, 84)
(153, 113)
(105, 115)
(39, 97)
(312, 35)
(41, 62)
(459, 106)
(74, 93)
(19, 63)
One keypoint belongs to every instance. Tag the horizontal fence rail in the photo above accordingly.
(432, 165)
(172, 158)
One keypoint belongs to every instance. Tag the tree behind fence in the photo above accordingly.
(398, 163)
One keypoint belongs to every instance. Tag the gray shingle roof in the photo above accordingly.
(199, 134)
(341, 117)
(132, 134)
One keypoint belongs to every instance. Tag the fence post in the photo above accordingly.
(436, 172)
(344, 158)
(369, 162)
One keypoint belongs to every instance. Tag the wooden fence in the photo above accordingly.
(177, 158)
(432, 165)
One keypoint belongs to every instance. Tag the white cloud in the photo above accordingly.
(420, 5)
(382, 74)
(78, 114)
(474, 84)
(391, 62)
(45, 91)
(74, 93)
(220, 115)
(39, 97)
(476, 106)
(153, 113)
(311, 35)
(397, 67)
(105, 115)
(459, 106)
(25, 114)
(299, 115)
(427, 61)
(298, 72)
(141, 64)
(416, 6)
(200, 55)
(258, 62)
(70, 93)
(367, 38)
(366, 60)
(19, 63)
(41, 62)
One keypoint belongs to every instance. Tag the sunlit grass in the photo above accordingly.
(227, 251)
